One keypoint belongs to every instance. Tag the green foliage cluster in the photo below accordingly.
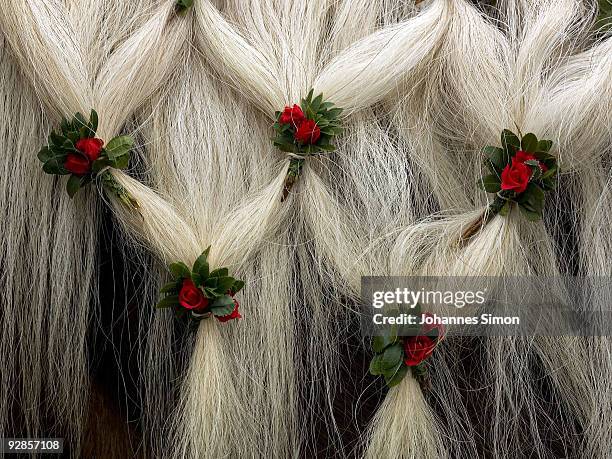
(115, 154)
(531, 201)
(216, 285)
(389, 354)
(324, 114)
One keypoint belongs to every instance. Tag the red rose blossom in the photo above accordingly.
(417, 349)
(308, 132)
(234, 314)
(516, 177)
(77, 164)
(80, 164)
(292, 115)
(191, 297)
(90, 147)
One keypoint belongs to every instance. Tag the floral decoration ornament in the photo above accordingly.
(76, 151)
(199, 293)
(306, 130)
(521, 172)
(395, 355)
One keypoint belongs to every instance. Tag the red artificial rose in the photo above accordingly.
(90, 147)
(234, 314)
(417, 349)
(427, 327)
(308, 132)
(80, 164)
(516, 177)
(191, 297)
(292, 115)
(77, 164)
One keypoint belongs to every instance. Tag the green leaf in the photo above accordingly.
(549, 183)
(376, 365)
(286, 147)
(93, 122)
(212, 292)
(536, 171)
(238, 285)
(65, 126)
(78, 121)
(54, 159)
(100, 164)
(55, 139)
(544, 146)
(413, 311)
(497, 158)
(220, 272)
(201, 265)
(308, 98)
(392, 355)
(198, 279)
(222, 306)
(380, 343)
(420, 371)
(224, 300)
(316, 103)
(71, 139)
(529, 143)
(119, 146)
(120, 162)
(549, 173)
(212, 282)
(531, 215)
(167, 302)
(505, 209)
(225, 283)
(45, 154)
(286, 130)
(68, 146)
(180, 270)
(491, 183)
(390, 372)
(73, 185)
(532, 198)
(510, 142)
(398, 375)
(327, 147)
(170, 287)
(334, 113)
(54, 167)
